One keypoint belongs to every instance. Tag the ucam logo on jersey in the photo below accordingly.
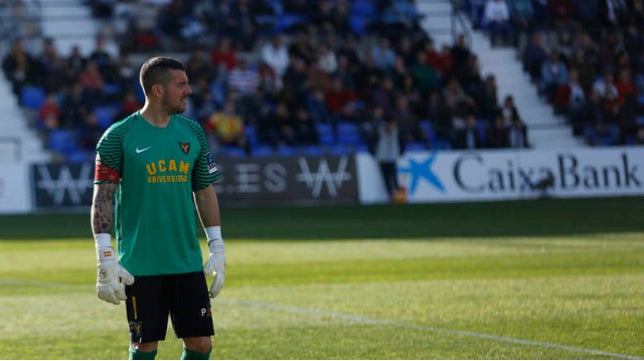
(511, 174)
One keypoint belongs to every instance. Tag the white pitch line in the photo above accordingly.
(369, 320)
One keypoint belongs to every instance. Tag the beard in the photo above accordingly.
(176, 107)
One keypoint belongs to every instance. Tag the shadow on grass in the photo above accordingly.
(484, 219)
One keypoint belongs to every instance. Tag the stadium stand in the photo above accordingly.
(314, 79)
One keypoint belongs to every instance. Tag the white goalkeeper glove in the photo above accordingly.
(216, 263)
(108, 286)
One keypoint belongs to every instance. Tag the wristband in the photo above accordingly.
(103, 243)
(103, 240)
(213, 232)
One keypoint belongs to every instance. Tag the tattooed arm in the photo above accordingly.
(102, 212)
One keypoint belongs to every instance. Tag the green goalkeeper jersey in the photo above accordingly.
(157, 169)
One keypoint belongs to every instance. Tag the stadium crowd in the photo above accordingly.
(286, 76)
(583, 56)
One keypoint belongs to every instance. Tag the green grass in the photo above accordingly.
(516, 280)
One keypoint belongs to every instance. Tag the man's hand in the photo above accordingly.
(108, 286)
(216, 264)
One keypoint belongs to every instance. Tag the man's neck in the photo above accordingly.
(155, 117)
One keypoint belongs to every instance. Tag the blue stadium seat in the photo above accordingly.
(349, 133)
(428, 128)
(62, 141)
(286, 150)
(32, 97)
(313, 150)
(104, 115)
(325, 132)
(251, 134)
(78, 156)
(339, 149)
(233, 152)
(261, 150)
(415, 146)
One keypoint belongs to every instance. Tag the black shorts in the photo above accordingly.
(182, 296)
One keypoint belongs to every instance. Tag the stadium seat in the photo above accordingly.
(428, 128)
(32, 97)
(233, 152)
(261, 150)
(349, 134)
(415, 146)
(62, 141)
(105, 116)
(325, 132)
(251, 134)
(78, 156)
(313, 150)
(285, 150)
(339, 149)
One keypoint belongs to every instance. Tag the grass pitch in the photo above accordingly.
(516, 280)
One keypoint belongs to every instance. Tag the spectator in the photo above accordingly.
(18, 67)
(425, 76)
(224, 56)
(384, 96)
(90, 132)
(569, 96)
(521, 15)
(92, 82)
(340, 101)
(605, 86)
(50, 66)
(534, 56)
(585, 69)
(275, 54)
(74, 63)
(553, 74)
(304, 128)
(302, 48)
(454, 94)
(408, 125)
(243, 80)
(75, 106)
(103, 60)
(497, 21)
(499, 136)
(228, 127)
(509, 111)
(461, 54)
(198, 66)
(390, 146)
(383, 54)
(279, 128)
(625, 87)
(50, 113)
(327, 59)
(518, 134)
(317, 108)
(468, 137)
(477, 8)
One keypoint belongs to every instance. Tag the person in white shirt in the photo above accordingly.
(275, 54)
(497, 20)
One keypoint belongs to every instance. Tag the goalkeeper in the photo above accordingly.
(152, 169)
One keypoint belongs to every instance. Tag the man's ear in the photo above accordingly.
(158, 89)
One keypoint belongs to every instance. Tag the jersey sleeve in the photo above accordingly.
(109, 157)
(205, 171)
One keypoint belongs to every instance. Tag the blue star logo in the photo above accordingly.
(422, 170)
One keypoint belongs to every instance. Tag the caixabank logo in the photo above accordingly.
(508, 174)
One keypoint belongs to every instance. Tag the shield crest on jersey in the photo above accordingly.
(185, 147)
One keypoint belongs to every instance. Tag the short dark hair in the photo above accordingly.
(157, 71)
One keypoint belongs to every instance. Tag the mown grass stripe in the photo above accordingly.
(375, 321)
